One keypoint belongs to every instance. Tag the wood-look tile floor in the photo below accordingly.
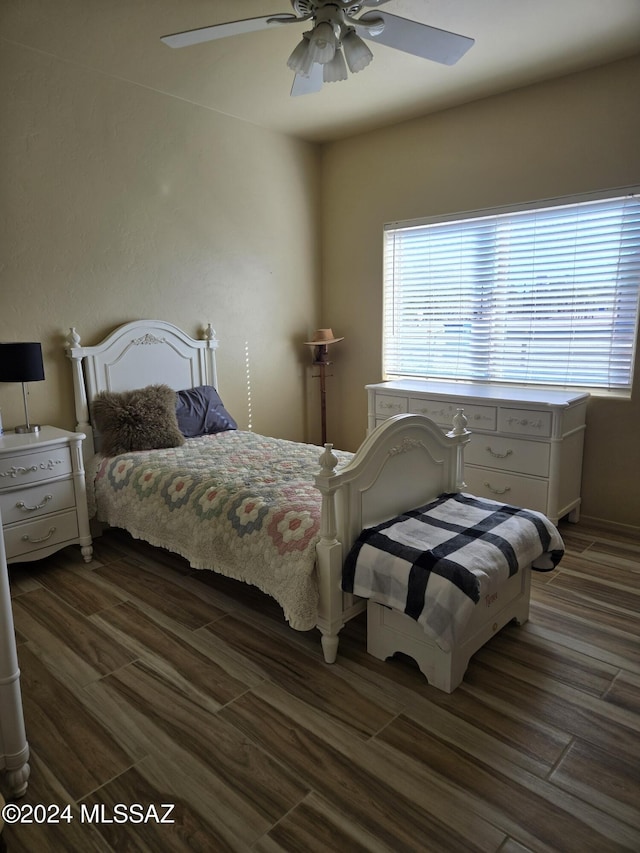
(147, 683)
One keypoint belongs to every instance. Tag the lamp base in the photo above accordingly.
(24, 428)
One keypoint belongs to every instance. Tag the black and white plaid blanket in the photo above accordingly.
(436, 562)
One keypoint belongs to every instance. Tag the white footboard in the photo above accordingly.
(404, 463)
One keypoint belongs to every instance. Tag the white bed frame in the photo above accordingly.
(404, 463)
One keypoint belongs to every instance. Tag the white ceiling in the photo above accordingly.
(518, 42)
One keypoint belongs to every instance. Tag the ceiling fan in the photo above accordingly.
(335, 40)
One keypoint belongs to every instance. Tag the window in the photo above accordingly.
(546, 296)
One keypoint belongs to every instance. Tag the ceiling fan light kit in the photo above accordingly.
(356, 52)
(300, 60)
(335, 70)
(336, 39)
(322, 43)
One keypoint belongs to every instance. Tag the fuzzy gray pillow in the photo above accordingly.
(141, 419)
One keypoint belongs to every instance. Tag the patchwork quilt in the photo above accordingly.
(436, 562)
(242, 504)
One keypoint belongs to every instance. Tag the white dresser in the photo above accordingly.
(526, 443)
(43, 497)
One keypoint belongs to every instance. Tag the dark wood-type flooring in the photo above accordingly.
(145, 682)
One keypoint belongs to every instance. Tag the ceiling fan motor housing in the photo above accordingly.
(306, 8)
(338, 14)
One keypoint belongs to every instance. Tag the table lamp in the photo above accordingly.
(22, 362)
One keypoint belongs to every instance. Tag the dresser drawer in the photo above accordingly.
(443, 411)
(16, 471)
(31, 536)
(509, 454)
(507, 488)
(388, 405)
(23, 504)
(524, 422)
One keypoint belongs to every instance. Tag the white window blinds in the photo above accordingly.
(546, 296)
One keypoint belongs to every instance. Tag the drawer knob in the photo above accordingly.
(497, 455)
(24, 506)
(27, 538)
(498, 491)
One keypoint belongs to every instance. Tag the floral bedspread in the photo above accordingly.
(242, 504)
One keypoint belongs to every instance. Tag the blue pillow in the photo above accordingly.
(200, 412)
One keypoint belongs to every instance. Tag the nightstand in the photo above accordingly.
(43, 499)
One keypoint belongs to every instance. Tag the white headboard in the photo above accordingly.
(143, 352)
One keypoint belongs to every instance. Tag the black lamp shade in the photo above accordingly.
(21, 362)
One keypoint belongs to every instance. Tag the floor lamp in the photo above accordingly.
(321, 340)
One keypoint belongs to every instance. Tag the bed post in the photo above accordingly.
(209, 335)
(74, 351)
(329, 558)
(14, 749)
(461, 433)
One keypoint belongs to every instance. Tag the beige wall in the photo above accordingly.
(572, 135)
(119, 202)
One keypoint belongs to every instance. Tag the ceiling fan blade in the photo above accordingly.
(374, 3)
(308, 85)
(417, 39)
(232, 28)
